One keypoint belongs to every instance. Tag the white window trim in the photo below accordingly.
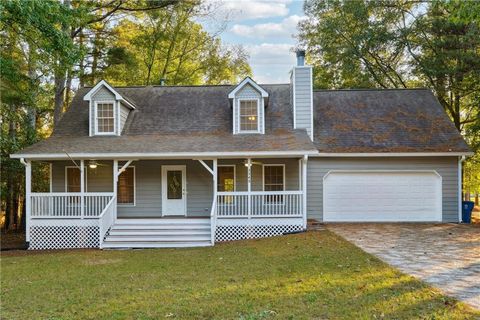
(115, 120)
(234, 175)
(263, 182)
(239, 117)
(273, 165)
(134, 204)
(66, 178)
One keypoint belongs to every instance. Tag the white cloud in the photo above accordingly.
(252, 9)
(271, 62)
(286, 28)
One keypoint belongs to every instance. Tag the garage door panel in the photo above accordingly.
(382, 196)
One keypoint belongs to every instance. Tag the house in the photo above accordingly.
(179, 166)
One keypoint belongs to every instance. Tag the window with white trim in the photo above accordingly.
(274, 180)
(104, 118)
(249, 115)
(226, 182)
(126, 187)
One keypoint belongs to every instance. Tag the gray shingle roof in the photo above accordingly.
(178, 119)
(383, 121)
(198, 119)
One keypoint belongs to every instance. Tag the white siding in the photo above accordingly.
(302, 98)
(445, 166)
(248, 92)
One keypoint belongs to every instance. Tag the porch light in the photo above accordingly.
(92, 164)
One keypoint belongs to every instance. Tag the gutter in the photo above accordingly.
(166, 155)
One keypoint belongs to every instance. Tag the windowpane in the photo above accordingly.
(126, 187)
(248, 115)
(226, 179)
(174, 184)
(73, 180)
(105, 118)
(273, 181)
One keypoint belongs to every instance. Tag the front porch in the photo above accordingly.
(161, 199)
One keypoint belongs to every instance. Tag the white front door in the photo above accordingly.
(174, 191)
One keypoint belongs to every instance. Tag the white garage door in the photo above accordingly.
(382, 196)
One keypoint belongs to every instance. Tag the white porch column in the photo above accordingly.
(215, 170)
(249, 188)
(304, 189)
(115, 180)
(82, 188)
(28, 198)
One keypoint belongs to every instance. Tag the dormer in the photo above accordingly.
(108, 110)
(248, 102)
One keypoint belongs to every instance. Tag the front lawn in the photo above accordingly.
(315, 275)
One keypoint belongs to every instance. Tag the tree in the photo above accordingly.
(398, 44)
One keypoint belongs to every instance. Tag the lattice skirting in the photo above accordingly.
(63, 237)
(249, 229)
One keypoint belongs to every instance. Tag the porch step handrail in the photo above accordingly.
(106, 219)
(259, 204)
(213, 220)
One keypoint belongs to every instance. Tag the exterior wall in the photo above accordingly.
(302, 97)
(97, 180)
(445, 166)
(148, 183)
(124, 111)
(248, 92)
(291, 173)
(103, 94)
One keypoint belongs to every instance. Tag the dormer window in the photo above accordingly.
(249, 115)
(104, 118)
(107, 110)
(248, 101)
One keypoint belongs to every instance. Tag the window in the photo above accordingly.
(248, 115)
(174, 184)
(105, 118)
(126, 187)
(274, 180)
(226, 179)
(72, 179)
(226, 182)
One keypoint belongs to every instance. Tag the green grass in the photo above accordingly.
(315, 275)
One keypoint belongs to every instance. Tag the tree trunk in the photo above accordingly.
(59, 96)
(10, 213)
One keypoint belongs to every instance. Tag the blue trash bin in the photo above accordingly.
(467, 208)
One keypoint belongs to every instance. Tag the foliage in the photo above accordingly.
(400, 44)
(313, 275)
(50, 47)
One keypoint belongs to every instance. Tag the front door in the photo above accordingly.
(174, 191)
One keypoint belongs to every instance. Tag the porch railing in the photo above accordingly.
(259, 204)
(69, 205)
(106, 219)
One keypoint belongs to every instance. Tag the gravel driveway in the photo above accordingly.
(446, 256)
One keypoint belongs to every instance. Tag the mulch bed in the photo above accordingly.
(12, 240)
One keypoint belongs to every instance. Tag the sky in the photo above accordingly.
(265, 28)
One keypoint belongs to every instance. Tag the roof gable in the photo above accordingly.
(245, 82)
(104, 84)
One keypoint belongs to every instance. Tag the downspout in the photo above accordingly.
(460, 161)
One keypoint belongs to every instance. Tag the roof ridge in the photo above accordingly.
(371, 89)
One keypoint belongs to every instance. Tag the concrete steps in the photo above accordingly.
(158, 233)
